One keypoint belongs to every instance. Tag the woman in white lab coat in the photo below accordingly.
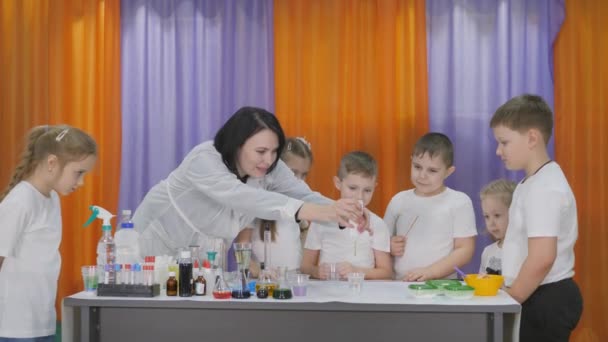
(223, 185)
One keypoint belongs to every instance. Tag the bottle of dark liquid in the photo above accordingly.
(200, 284)
(185, 274)
(172, 285)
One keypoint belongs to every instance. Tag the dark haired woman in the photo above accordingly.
(223, 185)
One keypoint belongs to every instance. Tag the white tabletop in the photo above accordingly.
(373, 292)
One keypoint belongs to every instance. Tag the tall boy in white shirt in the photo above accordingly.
(349, 249)
(538, 250)
(432, 226)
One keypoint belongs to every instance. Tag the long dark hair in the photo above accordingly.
(242, 125)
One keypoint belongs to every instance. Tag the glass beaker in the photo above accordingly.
(283, 291)
(221, 290)
(265, 282)
(242, 253)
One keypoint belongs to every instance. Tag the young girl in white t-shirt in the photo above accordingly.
(53, 163)
(287, 236)
(495, 201)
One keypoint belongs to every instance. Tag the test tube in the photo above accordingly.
(118, 270)
(126, 276)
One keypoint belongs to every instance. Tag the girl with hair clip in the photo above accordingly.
(495, 201)
(223, 185)
(287, 236)
(53, 163)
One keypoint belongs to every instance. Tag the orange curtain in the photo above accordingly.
(581, 122)
(352, 75)
(61, 64)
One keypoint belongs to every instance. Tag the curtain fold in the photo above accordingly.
(481, 53)
(352, 75)
(61, 60)
(581, 111)
(186, 67)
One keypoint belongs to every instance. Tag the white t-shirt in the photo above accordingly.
(30, 237)
(285, 251)
(202, 199)
(491, 258)
(437, 221)
(542, 206)
(348, 245)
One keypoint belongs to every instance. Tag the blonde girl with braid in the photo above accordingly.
(54, 163)
(287, 236)
(495, 202)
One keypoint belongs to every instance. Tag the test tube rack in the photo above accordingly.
(126, 290)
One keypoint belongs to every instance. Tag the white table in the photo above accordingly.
(381, 312)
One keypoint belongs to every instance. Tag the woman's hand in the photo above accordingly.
(364, 223)
(347, 210)
(341, 211)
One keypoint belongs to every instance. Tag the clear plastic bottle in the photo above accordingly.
(106, 253)
(126, 239)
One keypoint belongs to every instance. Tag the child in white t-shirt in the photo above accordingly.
(538, 249)
(349, 249)
(495, 201)
(432, 226)
(287, 236)
(54, 163)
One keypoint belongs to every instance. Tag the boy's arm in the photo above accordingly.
(390, 219)
(542, 252)
(383, 269)
(310, 263)
(460, 256)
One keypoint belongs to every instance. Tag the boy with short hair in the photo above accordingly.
(538, 250)
(349, 249)
(432, 226)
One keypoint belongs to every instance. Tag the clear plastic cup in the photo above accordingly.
(355, 282)
(333, 271)
(89, 278)
(299, 284)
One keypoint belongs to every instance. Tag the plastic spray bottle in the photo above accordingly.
(126, 239)
(106, 249)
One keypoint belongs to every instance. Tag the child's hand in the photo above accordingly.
(323, 271)
(419, 274)
(398, 245)
(343, 269)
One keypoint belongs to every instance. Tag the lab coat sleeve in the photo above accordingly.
(208, 174)
(283, 180)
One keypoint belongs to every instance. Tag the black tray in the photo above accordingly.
(124, 290)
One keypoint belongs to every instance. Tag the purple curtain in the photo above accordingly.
(480, 54)
(186, 67)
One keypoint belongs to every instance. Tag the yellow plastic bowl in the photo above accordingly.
(484, 285)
